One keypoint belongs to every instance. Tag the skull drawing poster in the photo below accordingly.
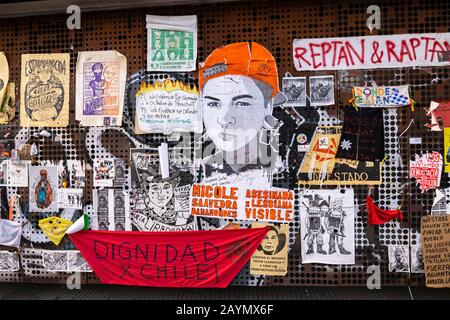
(101, 77)
(44, 90)
(159, 204)
(43, 189)
(327, 226)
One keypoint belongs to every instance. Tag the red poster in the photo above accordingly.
(189, 259)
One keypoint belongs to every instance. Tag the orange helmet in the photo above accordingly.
(241, 58)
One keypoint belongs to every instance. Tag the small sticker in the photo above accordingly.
(415, 140)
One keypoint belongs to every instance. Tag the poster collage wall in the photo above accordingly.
(233, 113)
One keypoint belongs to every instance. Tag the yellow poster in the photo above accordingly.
(44, 90)
(447, 150)
(271, 257)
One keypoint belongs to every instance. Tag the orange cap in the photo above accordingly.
(241, 58)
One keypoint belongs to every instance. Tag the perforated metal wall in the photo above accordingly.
(274, 24)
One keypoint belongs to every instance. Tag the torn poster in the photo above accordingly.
(44, 90)
(362, 135)
(398, 258)
(320, 166)
(103, 173)
(294, 88)
(100, 84)
(9, 261)
(43, 189)
(71, 198)
(440, 205)
(271, 257)
(321, 90)
(381, 97)
(427, 170)
(327, 226)
(371, 52)
(241, 202)
(168, 106)
(171, 43)
(439, 110)
(159, 204)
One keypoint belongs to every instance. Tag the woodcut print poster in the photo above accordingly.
(44, 90)
(43, 189)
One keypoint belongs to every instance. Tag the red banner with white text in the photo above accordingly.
(190, 259)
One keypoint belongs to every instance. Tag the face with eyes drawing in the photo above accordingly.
(233, 111)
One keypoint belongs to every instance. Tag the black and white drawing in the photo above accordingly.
(417, 264)
(321, 90)
(9, 261)
(398, 258)
(101, 205)
(54, 261)
(294, 88)
(119, 173)
(76, 262)
(159, 204)
(71, 198)
(18, 174)
(327, 226)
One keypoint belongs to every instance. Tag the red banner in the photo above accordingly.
(190, 259)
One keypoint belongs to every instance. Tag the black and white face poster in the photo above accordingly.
(113, 210)
(294, 88)
(101, 204)
(398, 258)
(119, 173)
(321, 90)
(417, 264)
(327, 226)
(121, 211)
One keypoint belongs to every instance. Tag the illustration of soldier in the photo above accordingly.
(316, 211)
(335, 226)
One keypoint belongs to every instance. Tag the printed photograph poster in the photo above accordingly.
(43, 189)
(120, 173)
(417, 261)
(100, 82)
(398, 258)
(327, 231)
(103, 209)
(168, 106)
(159, 204)
(243, 203)
(112, 210)
(294, 88)
(9, 261)
(103, 173)
(435, 237)
(121, 209)
(321, 90)
(44, 90)
(18, 173)
(321, 167)
(171, 43)
(371, 52)
(71, 198)
(427, 170)
(271, 257)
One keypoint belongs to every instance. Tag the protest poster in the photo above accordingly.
(43, 189)
(381, 97)
(370, 52)
(271, 256)
(171, 43)
(398, 258)
(103, 173)
(435, 236)
(438, 110)
(294, 88)
(321, 90)
(44, 90)
(427, 170)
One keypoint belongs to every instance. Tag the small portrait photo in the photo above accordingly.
(398, 258)
(321, 90)
(294, 88)
(274, 241)
(417, 264)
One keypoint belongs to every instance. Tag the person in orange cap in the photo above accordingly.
(239, 87)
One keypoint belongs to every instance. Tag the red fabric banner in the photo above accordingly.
(190, 259)
(377, 216)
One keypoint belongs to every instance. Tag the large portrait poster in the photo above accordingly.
(44, 90)
(4, 75)
(271, 257)
(100, 83)
(327, 226)
(167, 106)
(171, 43)
(43, 189)
(157, 203)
